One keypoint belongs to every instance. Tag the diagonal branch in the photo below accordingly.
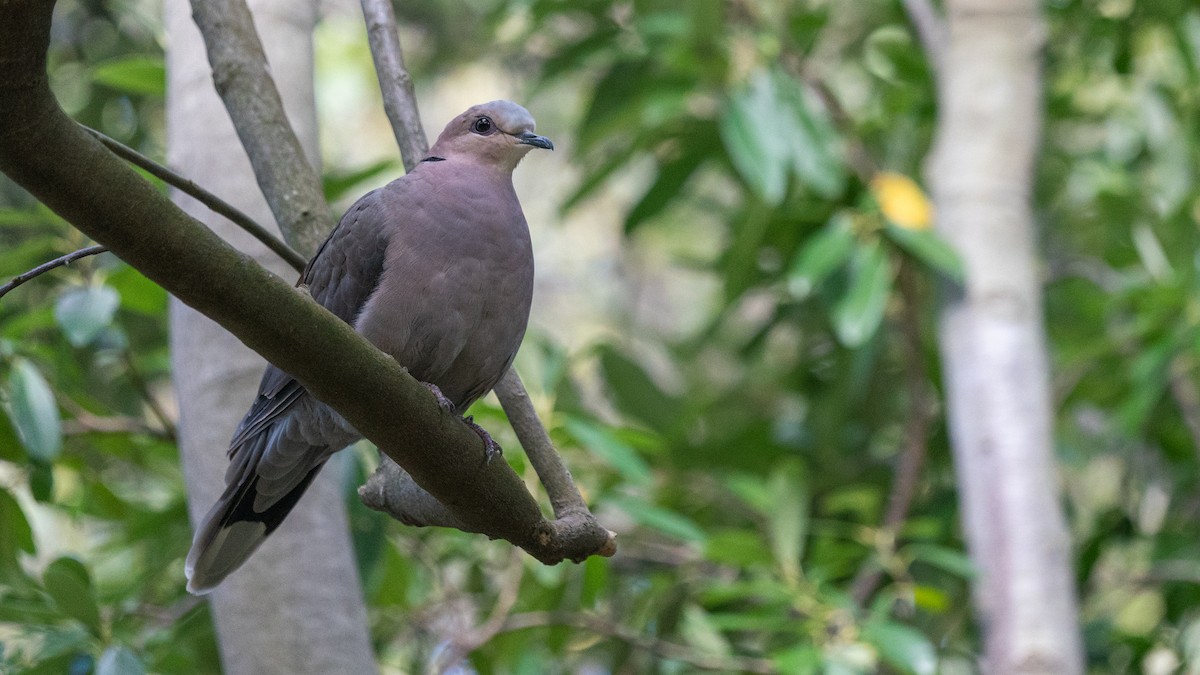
(396, 85)
(213, 202)
(243, 80)
(48, 154)
(931, 30)
(47, 266)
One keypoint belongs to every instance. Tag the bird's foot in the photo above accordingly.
(439, 396)
(491, 449)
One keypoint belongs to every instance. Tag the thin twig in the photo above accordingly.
(510, 592)
(931, 31)
(47, 266)
(658, 647)
(395, 83)
(918, 418)
(213, 202)
(564, 496)
(143, 389)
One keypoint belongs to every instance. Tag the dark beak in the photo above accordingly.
(530, 138)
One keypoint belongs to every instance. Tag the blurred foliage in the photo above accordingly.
(747, 464)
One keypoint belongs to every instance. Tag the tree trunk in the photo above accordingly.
(993, 341)
(296, 606)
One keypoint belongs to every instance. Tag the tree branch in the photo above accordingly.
(243, 80)
(931, 31)
(48, 154)
(396, 85)
(213, 202)
(47, 266)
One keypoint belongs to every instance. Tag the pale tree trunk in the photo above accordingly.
(296, 606)
(993, 340)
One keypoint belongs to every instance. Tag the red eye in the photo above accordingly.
(483, 126)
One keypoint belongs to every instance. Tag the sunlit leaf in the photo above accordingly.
(119, 660)
(811, 139)
(34, 412)
(133, 74)
(905, 649)
(787, 521)
(700, 632)
(84, 312)
(928, 247)
(658, 518)
(859, 312)
(754, 138)
(68, 582)
(618, 454)
(946, 559)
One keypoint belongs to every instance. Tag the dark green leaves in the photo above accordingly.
(68, 582)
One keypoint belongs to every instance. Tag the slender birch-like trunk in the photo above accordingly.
(993, 341)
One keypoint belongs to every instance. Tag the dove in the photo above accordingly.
(436, 270)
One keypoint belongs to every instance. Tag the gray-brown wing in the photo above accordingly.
(340, 277)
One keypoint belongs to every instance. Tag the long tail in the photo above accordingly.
(259, 494)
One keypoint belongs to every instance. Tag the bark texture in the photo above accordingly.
(993, 340)
(296, 606)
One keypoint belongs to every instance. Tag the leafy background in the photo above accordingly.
(756, 349)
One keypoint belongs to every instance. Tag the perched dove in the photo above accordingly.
(436, 269)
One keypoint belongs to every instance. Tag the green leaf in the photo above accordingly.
(618, 454)
(699, 631)
(946, 559)
(930, 249)
(811, 139)
(635, 393)
(67, 581)
(338, 184)
(10, 444)
(663, 520)
(755, 139)
(737, 547)
(905, 649)
(138, 294)
(84, 312)
(17, 535)
(825, 252)
(798, 660)
(133, 74)
(41, 482)
(859, 312)
(119, 660)
(787, 521)
(34, 412)
(671, 178)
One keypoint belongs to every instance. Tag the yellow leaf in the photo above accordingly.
(902, 201)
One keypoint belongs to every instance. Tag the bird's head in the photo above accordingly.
(498, 133)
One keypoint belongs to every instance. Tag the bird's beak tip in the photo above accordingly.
(530, 138)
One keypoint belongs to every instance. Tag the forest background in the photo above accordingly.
(735, 342)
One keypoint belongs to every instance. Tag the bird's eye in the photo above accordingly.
(483, 126)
